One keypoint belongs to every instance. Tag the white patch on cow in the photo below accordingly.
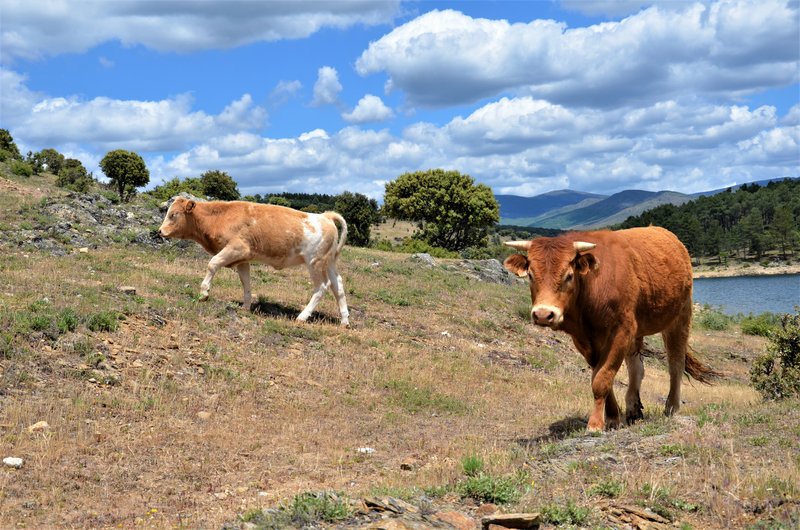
(312, 236)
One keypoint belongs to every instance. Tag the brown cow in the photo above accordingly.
(237, 232)
(608, 290)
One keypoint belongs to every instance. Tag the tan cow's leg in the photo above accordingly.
(676, 340)
(633, 402)
(225, 257)
(321, 284)
(244, 275)
(337, 287)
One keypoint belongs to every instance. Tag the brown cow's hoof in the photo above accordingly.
(635, 414)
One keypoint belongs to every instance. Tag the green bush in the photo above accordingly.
(776, 374)
(761, 325)
(21, 169)
(713, 320)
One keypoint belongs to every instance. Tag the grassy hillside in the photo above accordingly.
(166, 412)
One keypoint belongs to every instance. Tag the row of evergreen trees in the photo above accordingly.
(751, 221)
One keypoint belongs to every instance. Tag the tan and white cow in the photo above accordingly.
(238, 232)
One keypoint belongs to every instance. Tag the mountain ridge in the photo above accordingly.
(570, 209)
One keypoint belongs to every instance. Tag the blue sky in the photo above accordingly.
(526, 97)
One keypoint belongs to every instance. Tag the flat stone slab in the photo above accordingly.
(513, 520)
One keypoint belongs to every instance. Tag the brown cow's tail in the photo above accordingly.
(698, 371)
(339, 220)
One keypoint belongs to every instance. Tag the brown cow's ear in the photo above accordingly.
(517, 264)
(189, 206)
(585, 263)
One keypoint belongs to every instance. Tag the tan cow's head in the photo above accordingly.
(556, 269)
(177, 220)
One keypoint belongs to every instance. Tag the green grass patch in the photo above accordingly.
(414, 399)
(489, 488)
(305, 510)
(608, 488)
(565, 514)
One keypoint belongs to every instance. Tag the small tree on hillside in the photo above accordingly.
(74, 176)
(52, 159)
(450, 210)
(8, 149)
(219, 185)
(175, 186)
(126, 170)
(361, 213)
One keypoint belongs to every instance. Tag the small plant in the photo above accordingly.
(673, 450)
(103, 321)
(562, 515)
(713, 413)
(472, 465)
(608, 488)
(776, 374)
(489, 488)
(67, 320)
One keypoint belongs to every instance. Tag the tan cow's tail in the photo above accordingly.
(339, 220)
(698, 371)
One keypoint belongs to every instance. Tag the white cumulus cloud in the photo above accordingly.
(327, 87)
(369, 109)
(730, 47)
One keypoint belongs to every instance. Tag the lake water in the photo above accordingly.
(750, 294)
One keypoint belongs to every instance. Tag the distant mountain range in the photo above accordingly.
(568, 209)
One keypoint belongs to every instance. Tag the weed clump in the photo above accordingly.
(776, 374)
(305, 510)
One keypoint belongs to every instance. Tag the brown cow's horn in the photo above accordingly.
(582, 246)
(519, 245)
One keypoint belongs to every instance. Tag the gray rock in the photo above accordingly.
(424, 258)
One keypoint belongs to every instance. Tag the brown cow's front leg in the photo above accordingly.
(603, 384)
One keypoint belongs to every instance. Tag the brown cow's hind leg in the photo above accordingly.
(676, 341)
(633, 401)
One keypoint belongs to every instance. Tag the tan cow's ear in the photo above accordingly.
(517, 264)
(584, 263)
(189, 206)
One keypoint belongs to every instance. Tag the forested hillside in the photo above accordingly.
(749, 222)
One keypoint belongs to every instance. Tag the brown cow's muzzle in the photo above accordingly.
(546, 315)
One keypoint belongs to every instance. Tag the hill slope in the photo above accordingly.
(163, 411)
(515, 210)
(591, 211)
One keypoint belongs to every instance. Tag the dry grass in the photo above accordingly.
(192, 412)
